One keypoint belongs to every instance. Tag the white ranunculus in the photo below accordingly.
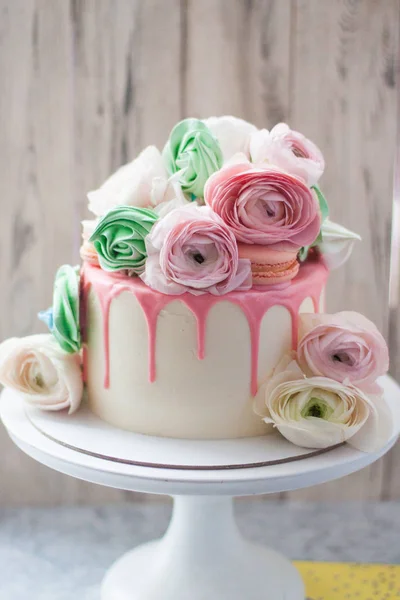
(165, 208)
(238, 159)
(143, 182)
(318, 412)
(337, 243)
(42, 373)
(233, 134)
(289, 150)
(259, 146)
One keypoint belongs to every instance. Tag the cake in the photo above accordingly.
(198, 311)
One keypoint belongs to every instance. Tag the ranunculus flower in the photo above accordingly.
(143, 182)
(192, 250)
(233, 134)
(63, 317)
(41, 372)
(264, 205)
(193, 154)
(345, 346)
(289, 150)
(319, 412)
(166, 207)
(119, 238)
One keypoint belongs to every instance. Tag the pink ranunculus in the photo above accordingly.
(192, 250)
(289, 150)
(264, 205)
(345, 346)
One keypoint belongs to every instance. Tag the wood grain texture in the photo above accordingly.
(86, 84)
(127, 88)
(79, 98)
(38, 215)
(237, 59)
(343, 95)
(127, 83)
(391, 480)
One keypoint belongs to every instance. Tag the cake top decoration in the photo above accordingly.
(289, 150)
(192, 249)
(193, 154)
(119, 238)
(262, 184)
(264, 205)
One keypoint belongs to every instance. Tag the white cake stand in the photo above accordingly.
(202, 556)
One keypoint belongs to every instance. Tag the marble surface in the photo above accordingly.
(62, 553)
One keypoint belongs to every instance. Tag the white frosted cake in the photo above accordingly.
(198, 310)
(187, 366)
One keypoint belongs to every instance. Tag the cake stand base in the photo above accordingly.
(202, 557)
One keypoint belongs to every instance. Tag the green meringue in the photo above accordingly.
(119, 238)
(65, 318)
(193, 152)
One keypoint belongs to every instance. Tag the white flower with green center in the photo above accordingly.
(319, 408)
(41, 372)
(318, 412)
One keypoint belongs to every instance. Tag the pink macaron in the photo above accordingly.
(268, 265)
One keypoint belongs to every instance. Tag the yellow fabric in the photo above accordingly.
(344, 581)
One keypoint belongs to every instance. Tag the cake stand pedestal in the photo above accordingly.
(202, 556)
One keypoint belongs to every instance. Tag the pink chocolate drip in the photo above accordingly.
(83, 296)
(84, 363)
(254, 304)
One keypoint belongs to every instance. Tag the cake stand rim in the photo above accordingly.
(310, 471)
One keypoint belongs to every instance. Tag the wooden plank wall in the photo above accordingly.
(85, 84)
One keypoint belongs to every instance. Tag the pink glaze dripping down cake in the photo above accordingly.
(187, 366)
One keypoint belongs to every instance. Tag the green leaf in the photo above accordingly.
(303, 253)
(323, 205)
